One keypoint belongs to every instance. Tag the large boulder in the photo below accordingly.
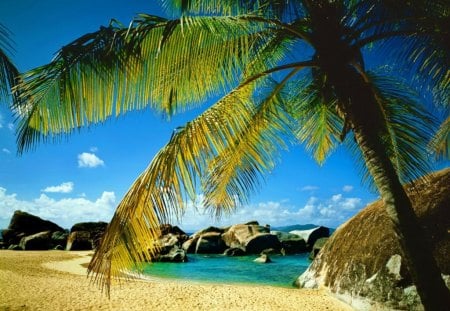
(79, 241)
(238, 235)
(291, 243)
(210, 243)
(260, 242)
(317, 247)
(24, 224)
(86, 235)
(38, 241)
(175, 254)
(362, 263)
(312, 235)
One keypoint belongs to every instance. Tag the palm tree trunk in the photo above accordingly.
(361, 108)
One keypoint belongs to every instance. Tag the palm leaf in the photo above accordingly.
(167, 65)
(8, 72)
(440, 142)
(159, 194)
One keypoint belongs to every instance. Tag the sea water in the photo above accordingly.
(282, 271)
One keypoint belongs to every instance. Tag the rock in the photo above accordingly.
(79, 241)
(317, 247)
(312, 235)
(59, 247)
(210, 229)
(256, 244)
(60, 238)
(38, 241)
(362, 262)
(210, 243)
(15, 247)
(168, 228)
(174, 255)
(291, 243)
(190, 245)
(234, 252)
(24, 224)
(238, 235)
(264, 258)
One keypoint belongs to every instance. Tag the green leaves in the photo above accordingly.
(166, 65)
(8, 72)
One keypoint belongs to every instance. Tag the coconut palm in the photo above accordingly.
(289, 72)
(8, 72)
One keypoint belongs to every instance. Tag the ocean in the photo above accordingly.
(283, 271)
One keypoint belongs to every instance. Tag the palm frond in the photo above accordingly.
(317, 123)
(440, 142)
(159, 194)
(166, 65)
(236, 172)
(8, 72)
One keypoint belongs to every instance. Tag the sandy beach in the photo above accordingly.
(56, 280)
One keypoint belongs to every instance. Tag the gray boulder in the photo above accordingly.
(79, 241)
(38, 241)
(175, 254)
(260, 242)
(363, 264)
(210, 243)
(234, 252)
(317, 247)
(291, 243)
(312, 235)
(238, 235)
(95, 230)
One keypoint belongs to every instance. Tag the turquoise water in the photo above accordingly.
(222, 269)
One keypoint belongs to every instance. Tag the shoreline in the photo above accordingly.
(56, 280)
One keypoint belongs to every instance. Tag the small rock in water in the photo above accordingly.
(263, 259)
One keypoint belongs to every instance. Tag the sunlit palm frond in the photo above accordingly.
(236, 172)
(167, 65)
(160, 193)
(440, 143)
(8, 72)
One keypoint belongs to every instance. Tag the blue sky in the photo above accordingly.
(84, 177)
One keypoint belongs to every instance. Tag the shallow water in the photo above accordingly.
(223, 269)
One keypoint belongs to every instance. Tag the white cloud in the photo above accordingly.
(7, 151)
(1, 121)
(86, 159)
(309, 188)
(329, 212)
(11, 126)
(347, 188)
(65, 187)
(64, 212)
(93, 149)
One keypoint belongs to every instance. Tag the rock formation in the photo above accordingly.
(362, 262)
(85, 235)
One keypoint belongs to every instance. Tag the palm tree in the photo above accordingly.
(274, 97)
(8, 72)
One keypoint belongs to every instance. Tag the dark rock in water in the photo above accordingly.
(312, 235)
(317, 247)
(79, 241)
(291, 243)
(38, 241)
(264, 258)
(238, 235)
(362, 262)
(174, 255)
(234, 252)
(210, 243)
(24, 224)
(256, 244)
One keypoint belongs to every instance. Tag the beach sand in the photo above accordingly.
(56, 280)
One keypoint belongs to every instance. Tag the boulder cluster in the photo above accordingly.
(237, 240)
(29, 232)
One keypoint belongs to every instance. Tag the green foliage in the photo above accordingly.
(8, 72)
